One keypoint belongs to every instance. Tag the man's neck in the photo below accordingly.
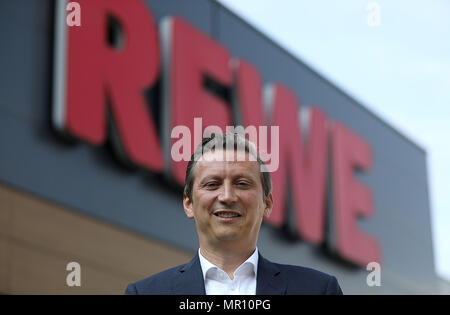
(226, 259)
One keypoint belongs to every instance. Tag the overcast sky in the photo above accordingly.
(393, 56)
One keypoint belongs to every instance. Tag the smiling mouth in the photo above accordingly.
(226, 214)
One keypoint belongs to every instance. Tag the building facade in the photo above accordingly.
(86, 172)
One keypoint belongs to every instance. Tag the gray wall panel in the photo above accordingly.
(196, 12)
(26, 65)
(36, 14)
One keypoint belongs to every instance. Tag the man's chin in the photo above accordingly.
(227, 237)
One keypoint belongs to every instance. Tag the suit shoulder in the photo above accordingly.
(303, 271)
(158, 283)
(308, 280)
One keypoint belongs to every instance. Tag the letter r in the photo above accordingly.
(98, 74)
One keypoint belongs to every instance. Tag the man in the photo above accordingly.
(227, 193)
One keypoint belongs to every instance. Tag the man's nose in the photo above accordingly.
(227, 194)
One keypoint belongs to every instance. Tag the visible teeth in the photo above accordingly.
(227, 215)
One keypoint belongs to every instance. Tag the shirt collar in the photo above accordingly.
(252, 261)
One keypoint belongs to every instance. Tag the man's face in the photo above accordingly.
(227, 203)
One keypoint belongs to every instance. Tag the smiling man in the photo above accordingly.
(228, 193)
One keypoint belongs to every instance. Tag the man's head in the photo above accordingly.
(226, 192)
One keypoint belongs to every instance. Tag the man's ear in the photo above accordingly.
(268, 205)
(187, 204)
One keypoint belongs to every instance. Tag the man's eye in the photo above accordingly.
(212, 184)
(243, 184)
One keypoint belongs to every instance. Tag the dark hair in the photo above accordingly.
(224, 141)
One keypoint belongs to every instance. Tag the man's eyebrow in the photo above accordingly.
(244, 176)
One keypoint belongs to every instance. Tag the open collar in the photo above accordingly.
(189, 278)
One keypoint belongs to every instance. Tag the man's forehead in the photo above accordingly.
(228, 160)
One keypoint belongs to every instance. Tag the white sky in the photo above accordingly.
(399, 69)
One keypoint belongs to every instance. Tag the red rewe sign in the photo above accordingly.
(95, 80)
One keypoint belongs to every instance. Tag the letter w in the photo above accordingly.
(302, 160)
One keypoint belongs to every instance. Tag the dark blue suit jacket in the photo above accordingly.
(272, 279)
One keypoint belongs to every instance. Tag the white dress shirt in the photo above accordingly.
(217, 281)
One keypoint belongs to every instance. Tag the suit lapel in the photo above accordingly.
(269, 280)
(189, 279)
